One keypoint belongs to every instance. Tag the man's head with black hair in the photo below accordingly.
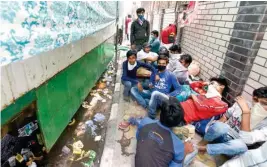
(260, 95)
(163, 51)
(175, 49)
(129, 16)
(172, 113)
(140, 11)
(155, 33)
(146, 47)
(220, 84)
(162, 62)
(131, 56)
(186, 60)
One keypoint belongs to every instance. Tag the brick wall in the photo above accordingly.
(258, 75)
(207, 38)
(226, 39)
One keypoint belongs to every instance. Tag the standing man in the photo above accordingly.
(139, 30)
(127, 21)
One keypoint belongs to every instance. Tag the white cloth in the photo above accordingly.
(258, 113)
(251, 158)
(141, 55)
(254, 136)
(175, 56)
(131, 67)
(212, 92)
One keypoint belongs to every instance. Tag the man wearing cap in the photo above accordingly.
(146, 55)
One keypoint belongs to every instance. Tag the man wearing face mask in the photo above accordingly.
(239, 126)
(165, 80)
(139, 30)
(179, 63)
(154, 41)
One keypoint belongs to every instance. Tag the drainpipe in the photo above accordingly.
(117, 36)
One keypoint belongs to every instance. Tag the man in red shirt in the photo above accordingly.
(127, 21)
(198, 107)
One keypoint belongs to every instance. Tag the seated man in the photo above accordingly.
(165, 80)
(239, 122)
(179, 64)
(157, 145)
(154, 41)
(175, 53)
(129, 78)
(255, 157)
(146, 55)
(197, 107)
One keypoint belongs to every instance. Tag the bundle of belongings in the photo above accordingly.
(23, 147)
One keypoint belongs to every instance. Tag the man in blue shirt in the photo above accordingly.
(165, 81)
(129, 70)
(154, 41)
(157, 145)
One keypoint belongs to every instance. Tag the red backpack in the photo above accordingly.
(168, 34)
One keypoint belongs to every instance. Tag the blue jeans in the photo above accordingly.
(127, 87)
(225, 144)
(145, 82)
(143, 97)
(156, 100)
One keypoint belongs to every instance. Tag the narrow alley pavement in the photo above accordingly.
(120, 146)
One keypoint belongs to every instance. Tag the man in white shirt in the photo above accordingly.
(146, 55)
(250, 127)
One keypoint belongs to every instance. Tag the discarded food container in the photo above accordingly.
(78, 144)
(90, 124)
(19, 158)
(97, 138)
(12, 161)
(26, 153)
(99, 117)
(65, 150)
(90, 162)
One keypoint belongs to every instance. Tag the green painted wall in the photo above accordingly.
(60, 97)
(17, 106)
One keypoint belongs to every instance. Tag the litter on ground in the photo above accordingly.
(97, 138)
(99, 117)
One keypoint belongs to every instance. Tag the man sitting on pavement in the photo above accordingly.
(146, 55)
(157, 145)
(179, 63)
(165, 80)
(154, 41)
(129, 78)
(240, 126)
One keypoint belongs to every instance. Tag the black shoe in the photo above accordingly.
(126, 98)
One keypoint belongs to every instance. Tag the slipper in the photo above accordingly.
(124, 125)
(72, 122)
